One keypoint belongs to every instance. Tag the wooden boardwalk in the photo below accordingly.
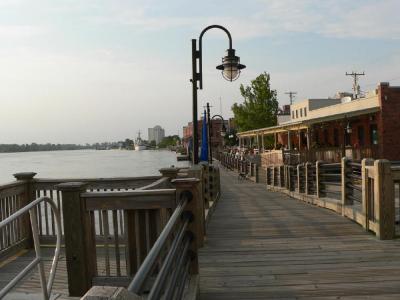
(265, 245)
(30, 288)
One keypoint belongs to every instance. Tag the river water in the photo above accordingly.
(86, 163)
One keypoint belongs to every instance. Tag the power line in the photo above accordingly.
(291, 96)
(356, 86)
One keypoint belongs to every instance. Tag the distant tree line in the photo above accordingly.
(39, 147)
(126, 144)
(7, 148)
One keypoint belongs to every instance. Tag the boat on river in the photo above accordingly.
(139, 144)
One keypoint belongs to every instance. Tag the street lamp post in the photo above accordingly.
(230, 68)
(209, 122)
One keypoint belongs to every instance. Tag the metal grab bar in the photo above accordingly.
(46, 289)
(142, 274)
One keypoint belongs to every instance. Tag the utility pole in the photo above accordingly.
(291, 96)
(356, 86)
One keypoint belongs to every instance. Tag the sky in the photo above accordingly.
(91, 71)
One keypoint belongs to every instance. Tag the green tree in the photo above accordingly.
(168, 141)
(260, 105)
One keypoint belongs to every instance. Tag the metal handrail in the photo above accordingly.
(38, 261)
(137, 284)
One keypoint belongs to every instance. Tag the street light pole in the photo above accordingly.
(209, 132)
(230, 68)
(195, 134)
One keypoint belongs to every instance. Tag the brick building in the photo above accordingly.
(217, 141)
(331, 128)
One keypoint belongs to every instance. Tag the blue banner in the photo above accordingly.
(204, 140)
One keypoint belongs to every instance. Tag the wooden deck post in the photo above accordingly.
(256, 173)
(171, 173)
(298, 167)
(194, 206)
(318, 178)
(196, 171)
(306, 187)
(80, 246)
(384, 199)
(29, 196)
(344, 181)
(365, 190)
(273, 183)
(205, 184)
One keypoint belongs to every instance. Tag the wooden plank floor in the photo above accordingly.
(264, 245)
(29, 287)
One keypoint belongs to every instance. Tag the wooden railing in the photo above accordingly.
(367, 192)
(327, 154)
(162, 252)
(17, 234)
(244, 167)
(108, 225)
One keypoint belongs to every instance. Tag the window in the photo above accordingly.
(373, 130)
(361, 136)
(292, 114)
(297, 113)
(301, 112)
(305, 111)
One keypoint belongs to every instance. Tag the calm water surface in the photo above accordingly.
(86, 163)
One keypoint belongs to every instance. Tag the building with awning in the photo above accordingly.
(331, 128)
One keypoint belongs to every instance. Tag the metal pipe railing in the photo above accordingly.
(137, 284)
(38, 261)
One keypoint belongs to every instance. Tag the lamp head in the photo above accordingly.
(223, 130)
(348, 128)
(230, 66)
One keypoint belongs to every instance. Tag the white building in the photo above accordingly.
(157, 133)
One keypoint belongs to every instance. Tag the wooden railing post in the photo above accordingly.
(318, 178)
(267, 176)
(384, 199)
(80, 247)
(171, 173)
(281, 176)
(306, 184)
(365, 190)
(29, 196)
(273, 175)
(206, 184)
(256, 173)
(344, 181)
(196, 171)
(211, 182)
(194, 206)
(298, 168)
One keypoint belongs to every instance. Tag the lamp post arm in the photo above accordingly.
(217, 116)
(200, 53)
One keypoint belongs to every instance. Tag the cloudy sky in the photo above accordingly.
(87, 71)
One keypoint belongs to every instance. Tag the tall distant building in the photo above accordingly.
(157, 133)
